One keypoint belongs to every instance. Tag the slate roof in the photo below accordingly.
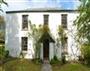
(42, 10)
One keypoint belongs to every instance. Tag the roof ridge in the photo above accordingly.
(43, 10)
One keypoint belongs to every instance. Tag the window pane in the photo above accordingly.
(64, 20)
(46, 19)
(65, 45)
(24, 43)
(25, 22)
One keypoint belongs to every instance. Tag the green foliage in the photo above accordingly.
(55, 60)
(21, 55)
(85, 49)
(37, 61)
(2, 36)
(3, 54)
(21, 65)
(35, 33)
(83, 21)
(2, 2)
(2, 20)
(45, 29)
(2, 29)
(83, 29)
(63, 58)
(71, 67)
(37, 50)
(62, 35)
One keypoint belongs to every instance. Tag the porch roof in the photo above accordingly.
(46, 36)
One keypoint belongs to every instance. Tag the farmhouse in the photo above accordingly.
(17, 38)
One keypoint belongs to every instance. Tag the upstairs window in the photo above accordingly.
(24, 22)
(46, 19)
(24, 43)
(64, 20)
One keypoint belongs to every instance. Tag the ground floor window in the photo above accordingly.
(65, 45)
(24, 43)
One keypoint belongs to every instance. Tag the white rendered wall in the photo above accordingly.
(51, 50)
(14, 31)
(12, 40)
(73, 50)
(41, 51)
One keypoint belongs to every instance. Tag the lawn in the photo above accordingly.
(20, 65)
(1, 68)
(70, 67)
(28, 65)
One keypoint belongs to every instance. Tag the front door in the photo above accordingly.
(46, 49)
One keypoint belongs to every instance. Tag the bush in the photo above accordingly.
(85, 50)
(63, 58)
(81, 59)
(37, 61)
(3, 54)
(6, 53)
(55, 60)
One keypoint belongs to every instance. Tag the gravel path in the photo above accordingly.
(46, 66)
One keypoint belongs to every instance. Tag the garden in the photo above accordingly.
(8, 63)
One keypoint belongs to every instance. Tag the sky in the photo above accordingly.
(27, 4)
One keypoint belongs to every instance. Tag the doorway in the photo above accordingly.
(46, 49)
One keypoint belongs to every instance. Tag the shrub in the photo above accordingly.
(63, 58)
(81, 59)
(3, 54)
(6, 53)
(85, 50)
(55, 60)
(37, 61)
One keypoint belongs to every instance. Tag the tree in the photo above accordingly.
(2, 2)
(62, 36)
(83, 21)
(2, 20)
(83, 28)
(35, 34)
(2, 29)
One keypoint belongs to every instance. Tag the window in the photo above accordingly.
(24, 43)
(65, 45)
(64, 20)
(25, 22)
(46, 19)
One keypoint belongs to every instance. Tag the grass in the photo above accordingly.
(20, 65)
(28, 65)
(1, 68)
(70, 67)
